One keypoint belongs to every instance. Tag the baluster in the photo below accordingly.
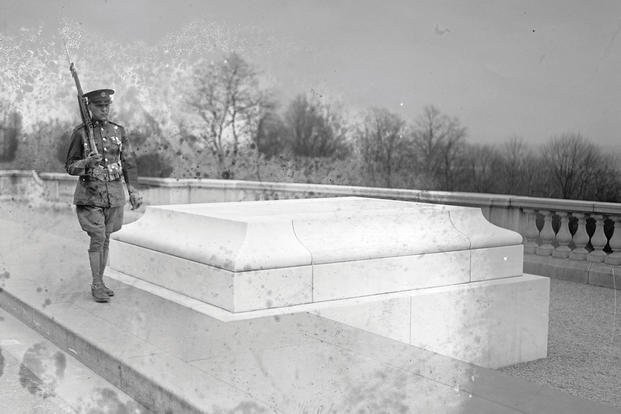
(530, 232)
(581, 238)
(563, 237)
(598, 241)
(615, 243)
(547, 235)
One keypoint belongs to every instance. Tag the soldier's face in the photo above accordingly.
(100, 112)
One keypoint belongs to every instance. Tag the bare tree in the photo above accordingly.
(480, 165)
(315, 129)
(227, 98)
(513, 152)
(606, 184)
(383, 146)
(438, 140)
(521, 171)
(10, 130)
(269, 137)
(265, 129)
(574, 165)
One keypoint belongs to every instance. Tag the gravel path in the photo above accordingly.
(584, 348)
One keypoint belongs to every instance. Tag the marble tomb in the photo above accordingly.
(435, 276)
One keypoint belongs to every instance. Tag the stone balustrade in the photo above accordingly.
(573, 240)
(566, 235)
(568, 239)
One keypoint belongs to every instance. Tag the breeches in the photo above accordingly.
(98, 223)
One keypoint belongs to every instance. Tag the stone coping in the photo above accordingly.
(455, 197)
(460, 198)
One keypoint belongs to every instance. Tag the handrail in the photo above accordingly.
(461, 198)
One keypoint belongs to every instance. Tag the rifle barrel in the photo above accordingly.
(84, 114)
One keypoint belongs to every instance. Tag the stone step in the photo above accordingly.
(159, 381)
(176, 360)
(436, 319)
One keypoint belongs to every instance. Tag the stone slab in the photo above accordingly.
(355, 385)
(494, 324)
(601, 274)
(389, 317)
(489, 323)
(206, 234)
(579, 271)
(191, 278)
(282, 233)
(258, 255)
(496, 262)
(235, 292)
(367, 277)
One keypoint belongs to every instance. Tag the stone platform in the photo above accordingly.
(439, 277)
(174, 358)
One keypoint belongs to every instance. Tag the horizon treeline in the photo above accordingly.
(216, 118)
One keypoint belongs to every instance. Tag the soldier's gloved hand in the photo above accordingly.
(135, 199)
(93, 160)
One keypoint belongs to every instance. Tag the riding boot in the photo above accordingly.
(97, 287)
(104, 262)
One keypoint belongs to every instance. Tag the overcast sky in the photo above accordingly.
(527, 68)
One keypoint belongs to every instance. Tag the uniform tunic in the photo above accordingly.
(118, 161)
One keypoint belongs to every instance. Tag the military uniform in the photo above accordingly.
(102, 188)
(99, 195)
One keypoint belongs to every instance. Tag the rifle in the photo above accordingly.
(84, 114)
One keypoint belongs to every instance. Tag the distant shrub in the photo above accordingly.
(9, 136)
(61, 145)
(138, 138)
(153, 165)
(8, 146)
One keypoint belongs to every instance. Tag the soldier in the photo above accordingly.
(99, 195)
